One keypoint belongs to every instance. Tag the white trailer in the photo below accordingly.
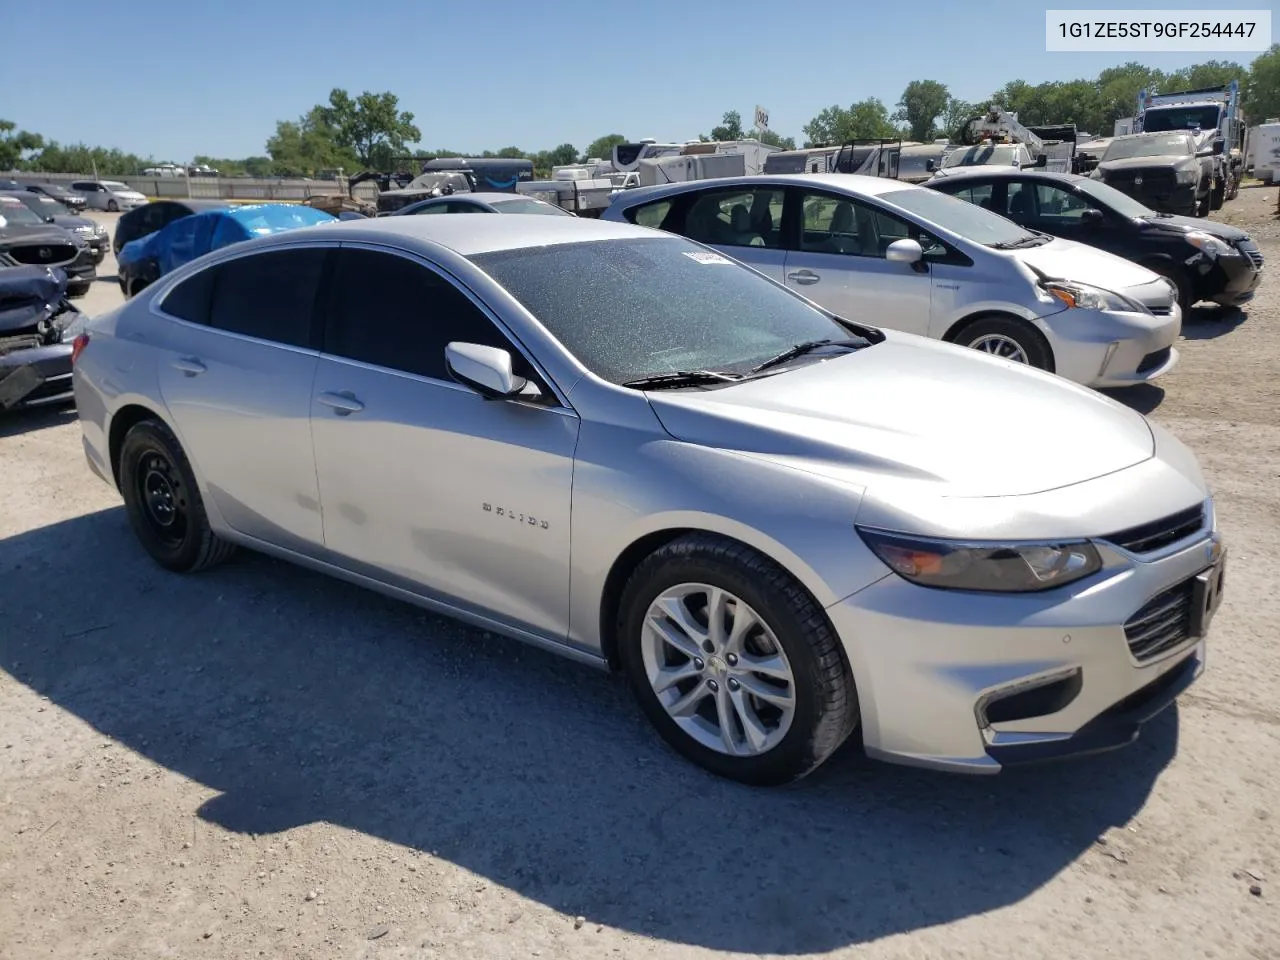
(1264, 151)
(677, 169)
(575, 188)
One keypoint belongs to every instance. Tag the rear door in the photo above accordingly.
(236, 368)
(838, 260)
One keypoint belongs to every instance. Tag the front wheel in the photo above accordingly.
(163, 501)
(1008, 338)
(113, 207)
(733, 662)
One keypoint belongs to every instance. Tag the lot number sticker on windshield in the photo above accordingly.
(705, 256)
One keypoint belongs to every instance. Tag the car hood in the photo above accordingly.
(1176, 224)
(72, 223)
(1142, 163)
(128, 194)
(49, 231)
(1069, 260)
(913, 411)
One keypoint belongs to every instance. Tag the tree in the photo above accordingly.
(866, 119)
(602, 147)
(14, 146)
(957, 113)
(730, 128)
(1263, 101)
(372, 125)
(300, 148)
(921, 104)
(81, 158)
(1211, 73)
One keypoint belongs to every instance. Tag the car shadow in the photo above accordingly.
(1143, 397)
(15, 422)
(1210, 322)
(302, 699)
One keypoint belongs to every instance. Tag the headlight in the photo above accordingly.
(99, 228)
(1088, 297)
(1013, 567)
(84, 229)
(1213, 246)
(1188, 174)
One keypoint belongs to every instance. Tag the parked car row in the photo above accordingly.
(713, 456)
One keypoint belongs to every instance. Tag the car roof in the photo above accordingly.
(957, 174)
(469, 236)
(851, 182)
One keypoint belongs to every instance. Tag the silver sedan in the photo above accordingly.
(625, 447)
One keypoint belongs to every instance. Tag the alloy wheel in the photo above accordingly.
(998, 345)
(718, 670)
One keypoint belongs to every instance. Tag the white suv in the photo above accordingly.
(901, 256)
(110, 195)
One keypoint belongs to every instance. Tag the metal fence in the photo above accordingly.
(215, 188)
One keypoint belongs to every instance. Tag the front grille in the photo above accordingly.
(48, 253)
(1151, 179)
(1153, 360)
(1250, 250)
(1149, 537)
(1163, 623)
(1160, 311)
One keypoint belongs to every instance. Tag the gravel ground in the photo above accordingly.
(261, 762)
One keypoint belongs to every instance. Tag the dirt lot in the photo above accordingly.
(260, 762)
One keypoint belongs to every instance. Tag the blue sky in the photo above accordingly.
(170, 80)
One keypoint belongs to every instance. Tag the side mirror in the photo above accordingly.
(487, 370)
(930, 166)
(1091, 218)
(1042, 160)
(48, 219)
(1219, 146)
(904, 251)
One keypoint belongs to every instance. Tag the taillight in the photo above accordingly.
(77, 346)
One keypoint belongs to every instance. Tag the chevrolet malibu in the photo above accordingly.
(906, 257)
(620, 445)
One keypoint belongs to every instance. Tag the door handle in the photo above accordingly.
(189, 365)
(803, 276)
(343, 404)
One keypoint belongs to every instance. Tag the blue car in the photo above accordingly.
(144, 261)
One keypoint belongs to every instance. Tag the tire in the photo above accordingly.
(998, 335)
(790, 629)
(1180, 280)
(113, 207)
(187, 543)
(1217, 196)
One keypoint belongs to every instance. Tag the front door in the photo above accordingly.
(236, 377)
(425, 483)
(839, 262)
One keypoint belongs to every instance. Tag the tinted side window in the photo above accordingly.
(1057, 204)
(269, 295)
(736, 218)
(979, 194)
(649, 215)
(391, 312)
(190, 299)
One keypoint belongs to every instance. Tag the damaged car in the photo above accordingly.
(38, 325)
(31, 241)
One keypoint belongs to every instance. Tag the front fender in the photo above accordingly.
(800, 519)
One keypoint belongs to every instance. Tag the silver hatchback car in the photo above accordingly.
(625, 447)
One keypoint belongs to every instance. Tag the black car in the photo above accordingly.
(38, 327)
(68, 198)
(30, 240)
(51, 211)
(1206, 260)
(153, 216)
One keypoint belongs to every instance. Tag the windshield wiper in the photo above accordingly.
(1035, 240)
(682, 378)
(853, 343)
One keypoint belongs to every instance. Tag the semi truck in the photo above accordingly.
(1210, 114)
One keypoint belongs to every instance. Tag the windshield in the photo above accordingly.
(528, 206)
(47, 206)
(1121, 203)
(656, 306)
(15, 211)
(1123, 148)
(1204, 116)
(1005, 155)
(958, 216)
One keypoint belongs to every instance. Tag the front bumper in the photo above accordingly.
(975, 682)
(36, 377)
(1104, 349)
(1233, 281)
